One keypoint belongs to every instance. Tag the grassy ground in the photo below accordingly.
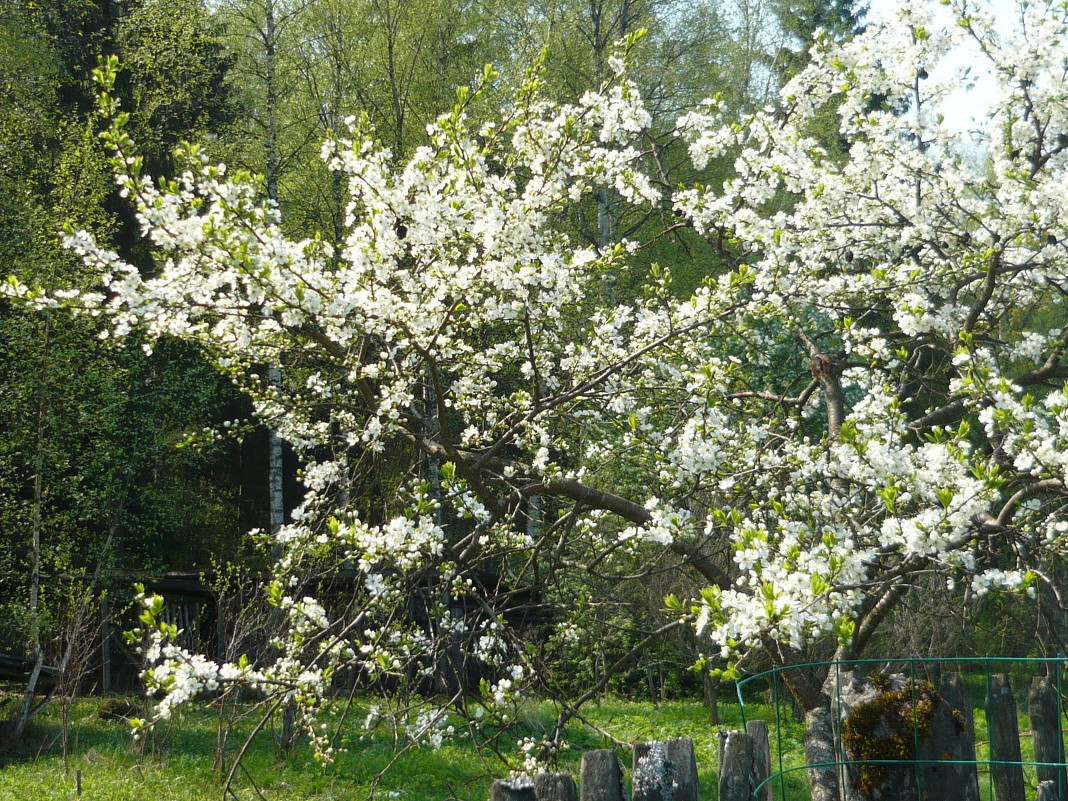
(182, 765)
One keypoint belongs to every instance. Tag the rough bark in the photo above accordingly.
(820, 753)
(878, 711)
(711, 688)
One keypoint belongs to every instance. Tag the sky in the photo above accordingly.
(964, 109)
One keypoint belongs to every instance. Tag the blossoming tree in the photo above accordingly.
(871, 391)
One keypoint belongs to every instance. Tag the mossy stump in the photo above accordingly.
(883, 719)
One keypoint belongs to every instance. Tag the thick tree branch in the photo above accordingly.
(633, 513)
(829, 374)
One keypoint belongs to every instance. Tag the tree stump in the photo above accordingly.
(883, 718)
(1004, 731)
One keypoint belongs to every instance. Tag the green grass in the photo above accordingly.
(181, 765)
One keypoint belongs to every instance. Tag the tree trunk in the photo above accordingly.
(26, 707)
(820, 753)
(711, 688)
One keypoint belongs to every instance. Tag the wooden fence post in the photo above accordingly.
(735, 766)
(654, 773)
(1004, 732)
(681, 753)
(1044, 708)
(680, 750)
(555, 787)
(951, 740)
(761, 765)
(519, 789)
(602, 777)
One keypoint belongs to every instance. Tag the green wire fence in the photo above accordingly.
(971, 670)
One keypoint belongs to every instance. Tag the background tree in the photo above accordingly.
(91, 476)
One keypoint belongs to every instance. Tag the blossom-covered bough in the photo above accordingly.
(870, 389)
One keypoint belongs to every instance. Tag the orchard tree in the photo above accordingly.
(928, 296)
(872, 394)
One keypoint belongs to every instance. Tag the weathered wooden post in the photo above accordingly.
(518, 789)
(760, 770)
(555, 787)
(1044, 708)
(951, 741)
(602, 777)
(1004, 734)
(735, 766)
(680, 752)
(654, 773)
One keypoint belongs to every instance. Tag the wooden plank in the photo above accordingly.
(950, 741)
(680, 750)
(681, 753)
